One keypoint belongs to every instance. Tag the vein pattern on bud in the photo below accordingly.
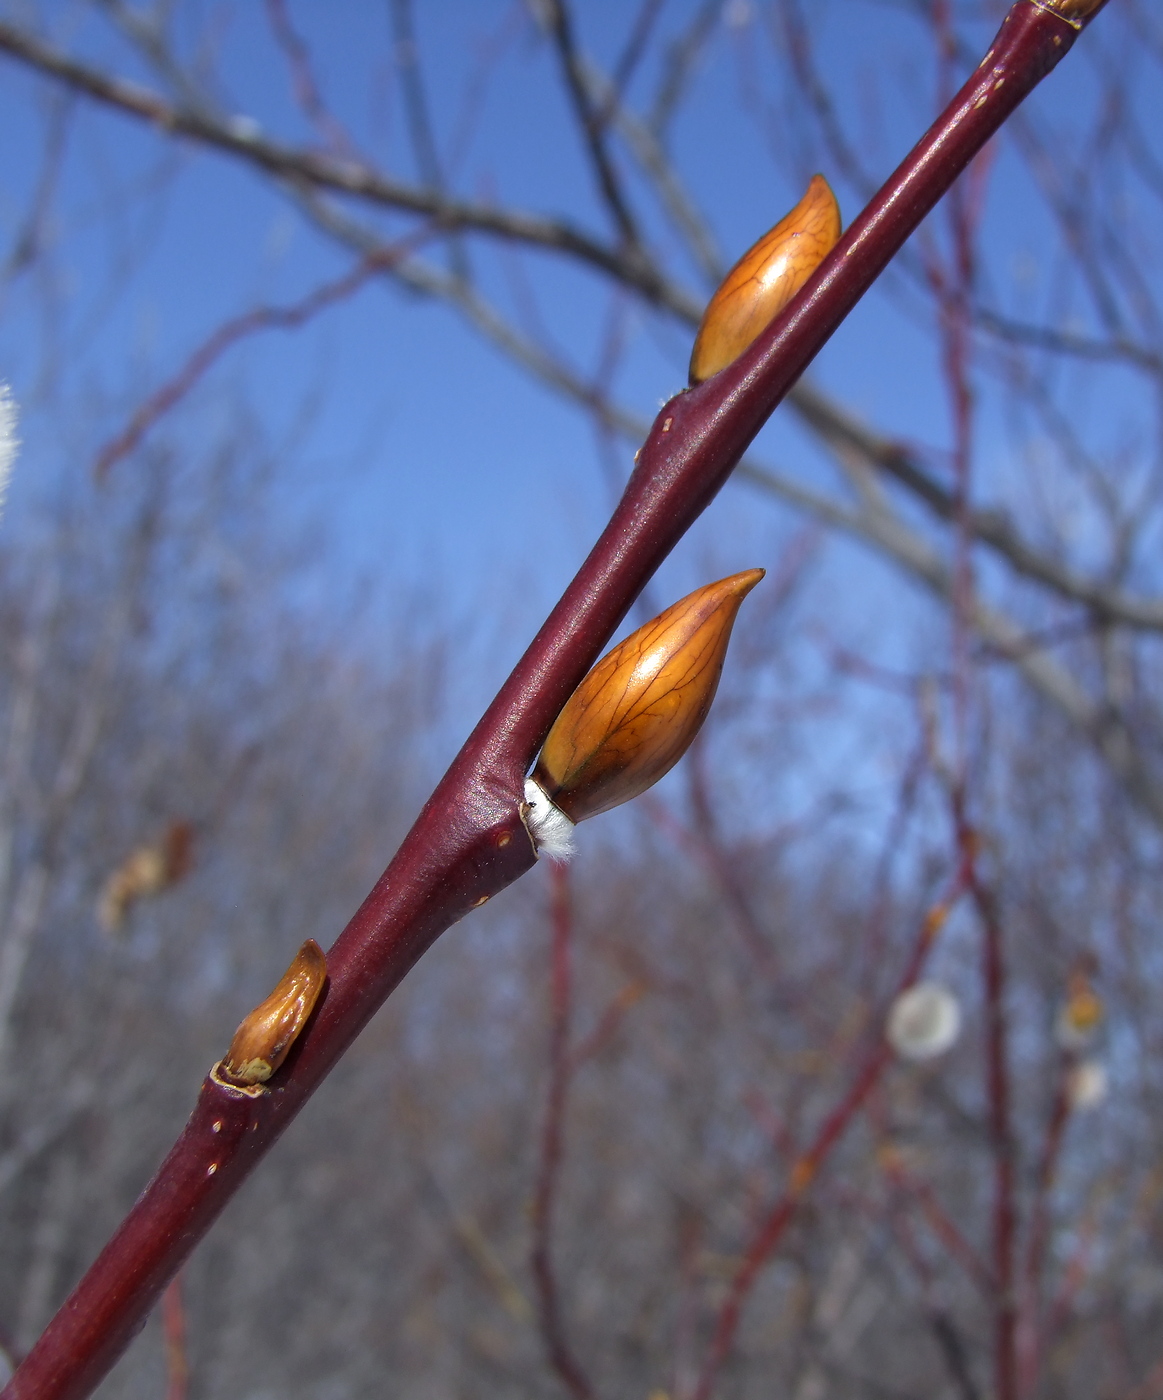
(765, 279)
(635, 714)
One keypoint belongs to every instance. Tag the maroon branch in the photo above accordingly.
(469, 842)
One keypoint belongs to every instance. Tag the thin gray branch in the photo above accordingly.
(648, 152)
(841, 432)
(243, 138)
(1102, 725)
(560, 25)
(1067, 343)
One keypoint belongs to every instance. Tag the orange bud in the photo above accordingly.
(146, 871)
(765, 279)
(261, 1043)
(1080, 1016)
(1074, 12)
(635, 714)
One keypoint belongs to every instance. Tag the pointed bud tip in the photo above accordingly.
(739, 585)
(636, 713)
(765, 279)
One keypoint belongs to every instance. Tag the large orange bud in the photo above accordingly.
(635, 714)
(765, 279)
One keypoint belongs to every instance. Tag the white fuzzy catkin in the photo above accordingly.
(923, 1021)
(550, 828)
(9, 442)
(1087, 1085)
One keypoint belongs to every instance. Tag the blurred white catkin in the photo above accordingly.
(9, 442)
(923, 1021)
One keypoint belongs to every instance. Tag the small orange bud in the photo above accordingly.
(635, 714)
(1080, 1016)
(765, 279)
(261, 1043)
(146, 871)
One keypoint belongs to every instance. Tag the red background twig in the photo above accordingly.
(469, 841)
(557, 1346)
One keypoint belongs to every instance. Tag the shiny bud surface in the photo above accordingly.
(1075, 12)
(635, 714)
(765, 279)
(263, 1040)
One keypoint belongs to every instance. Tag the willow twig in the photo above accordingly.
(469, 841)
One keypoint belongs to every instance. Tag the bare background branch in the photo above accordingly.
(650, 1140)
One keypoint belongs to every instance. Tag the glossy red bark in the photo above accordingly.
(468, 842)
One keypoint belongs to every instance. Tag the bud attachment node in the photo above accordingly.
(636, 713)
(550, 830)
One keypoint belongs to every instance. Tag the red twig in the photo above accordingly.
(260, 318)
(557, 1347)
(1073, 1278)
(808, 1164)
(1001, 1139)
(953, 288)
(1030, 1318)
(469, 841)
(876, 927)
(174, 1331)
(690, 1227)
(777, 1126)
(921, 1192)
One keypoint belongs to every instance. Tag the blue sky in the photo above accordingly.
(412, 452)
